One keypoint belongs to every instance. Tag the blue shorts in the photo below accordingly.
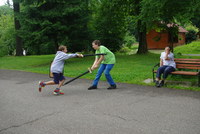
(58, 77)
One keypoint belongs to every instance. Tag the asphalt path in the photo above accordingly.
(129, 109)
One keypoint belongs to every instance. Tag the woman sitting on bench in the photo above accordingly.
(167, 65)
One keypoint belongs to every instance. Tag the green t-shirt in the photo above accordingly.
(109, 58)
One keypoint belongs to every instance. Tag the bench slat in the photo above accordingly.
(196, 67)
(183, 73)
(188, 62)
(178, 59)
(188, 65)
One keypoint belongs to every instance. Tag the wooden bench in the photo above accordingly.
(184, 67)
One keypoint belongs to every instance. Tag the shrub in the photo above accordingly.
(191, 34)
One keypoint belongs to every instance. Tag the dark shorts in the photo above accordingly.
(58, 77)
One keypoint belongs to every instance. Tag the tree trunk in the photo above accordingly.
(173, 35)
(141, 30)
(142, 48)
(171, 42)
(19, 50)
(8, 3)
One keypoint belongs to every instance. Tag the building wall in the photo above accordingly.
(157, 40)
(181, 39)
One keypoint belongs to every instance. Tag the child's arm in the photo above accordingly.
(161, 58)
(161, 62)
(67, 56)
(97, 62)
(80, 55)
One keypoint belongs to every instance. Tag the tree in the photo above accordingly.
(141, 29)
(16, 8)
(48, 24)
(7, 39)
(196, 18)
(109, 23)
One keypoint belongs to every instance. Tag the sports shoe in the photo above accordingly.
(61, 92)
(112, 87)
(58, 92)
(161, 83)
(157, 84)
(92, 87)
(41, 85)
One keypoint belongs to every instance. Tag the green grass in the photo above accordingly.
(192, 48)
(128, 69)
(37, 64)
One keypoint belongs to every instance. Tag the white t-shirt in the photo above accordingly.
(168, 62)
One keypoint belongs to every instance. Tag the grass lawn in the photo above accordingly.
(192, 48)
(128, 69)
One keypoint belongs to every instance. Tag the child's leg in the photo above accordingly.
(57, 91)
(159, 72)
(99, 73)
(158, 75)
(61, 83)
(107, 74)
(167, 71)
(55, 81)
(49, 83)
(43, 84)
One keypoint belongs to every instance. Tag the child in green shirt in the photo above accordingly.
(106, 63)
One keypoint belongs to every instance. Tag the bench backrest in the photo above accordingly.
(187, 63)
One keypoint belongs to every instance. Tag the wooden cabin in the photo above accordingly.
(159, 40)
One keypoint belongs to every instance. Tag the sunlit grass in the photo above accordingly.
(192, 48)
